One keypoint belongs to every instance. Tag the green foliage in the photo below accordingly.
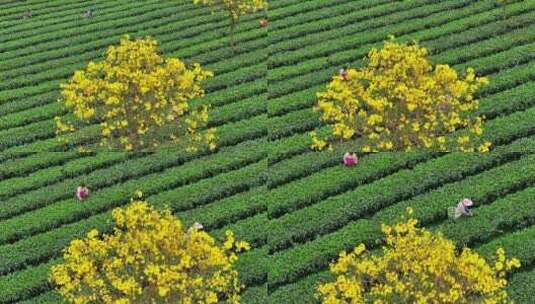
(235, 9)
(139, 98)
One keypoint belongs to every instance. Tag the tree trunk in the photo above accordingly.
(232, 30)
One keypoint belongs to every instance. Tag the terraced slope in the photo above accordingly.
(38, 175)
(316, 208)
(298, 208)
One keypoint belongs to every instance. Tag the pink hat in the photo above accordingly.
(467, 202)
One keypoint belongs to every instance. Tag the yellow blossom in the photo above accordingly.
(400, 97)
(149, 256)
(136, 93)
(416, 266)
(234, 9)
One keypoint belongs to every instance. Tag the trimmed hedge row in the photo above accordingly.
(293, 145)
(333, 23)
(9, 12)
(257, 295)
(286, 8)
(45, 130)
(302, 291)
(16, 168)
(291, 47)
(234, 77)
(32, 115)
(497, 43)
(296, 146)
(522, 245)
(521, 285)
(303, 165)
(42, 134)
(53, 86)
(489, 42)
(337, 211)
(187, 31)
(511, 75)
(33, 280)
(293, 122)
(289, 265)
(305, 98)
(60, 18)
(124, 171)
(59, 35)
(510, 212)
(519, 243)
(303, 81)
(335, 180)
(231, 209)
(39, 73)
(41, 247)
(518, 98)
(166, 173)
(81, 166)
(25, 284)
(480, 11)
(233, 111)
(230, 134)
(523, 55)
(31, 91)
(48, 297)
(29, 103)
(251, 229)
(505, 80)
(212, 51)
(45, 177)
(220, 98)
(317, 10)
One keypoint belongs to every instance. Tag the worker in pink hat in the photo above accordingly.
(82, 192)
(463, 208)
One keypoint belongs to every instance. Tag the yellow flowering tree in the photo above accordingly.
(417, 266)
(400, 101)
(150, 258)
(235, 9)
(139, 98)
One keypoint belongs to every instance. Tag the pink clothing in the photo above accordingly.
(82, 193)
(350, 159)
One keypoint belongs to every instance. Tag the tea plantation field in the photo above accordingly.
(222, 190)
(296, 207)
(316, 208)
